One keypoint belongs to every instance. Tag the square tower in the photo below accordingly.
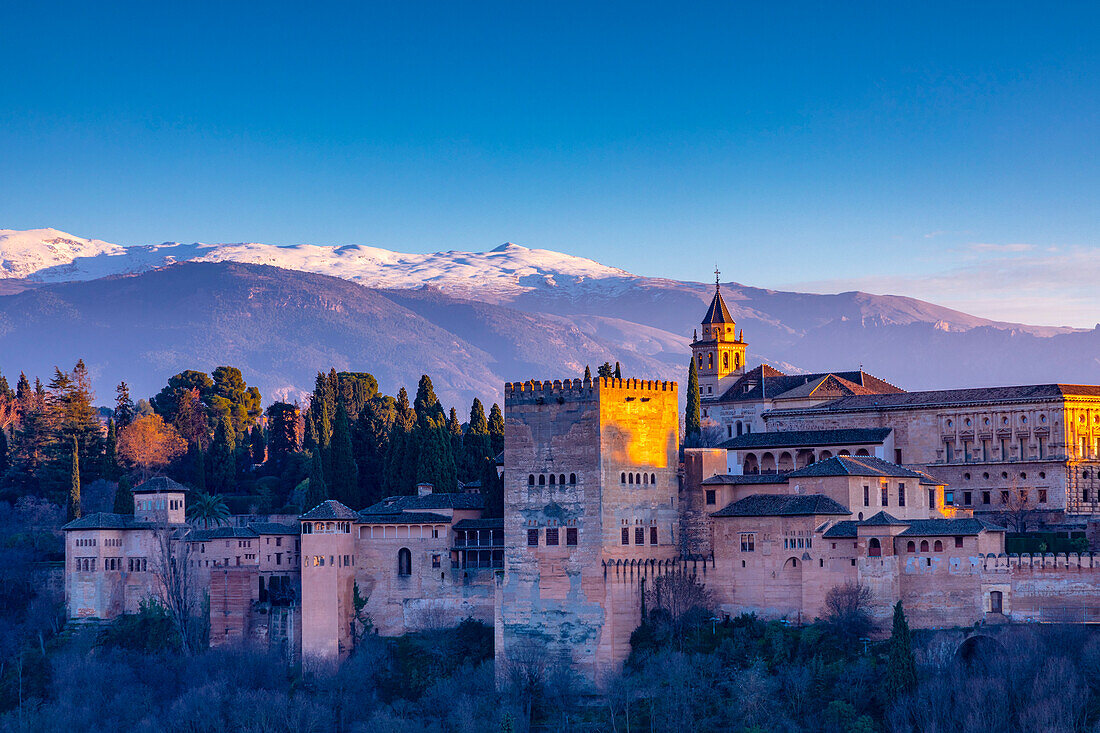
(160, 500)
(719, 350)
(590, 484)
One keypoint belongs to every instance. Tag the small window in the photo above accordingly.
(885, 495)
(639, 535)
(985, 497)
(532, 538)
(626, 535)
(911, 546)
(652, 478)
(561, 479)
(404, 561)
(938, 547)
(551, 536)
(748, 543)
(711, 500)
(652, 535)
(924, 546)
(435, 560)
(542, 479)
(572, 478)
(1004, 496)
(571, 536)
(622, 478)
(866, 496)
(967, 498)
(1042, 496)
(552, 479)
(874, 548)
(901, 494)
(958, 542)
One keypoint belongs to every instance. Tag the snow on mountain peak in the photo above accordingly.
(49, 255)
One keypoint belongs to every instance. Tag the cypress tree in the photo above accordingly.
(587, 374)
(618, 371)
(74, 484)
(110, 451)
(492, 488)
(901, 665)
(401, 457)
(496, 430)
(692, 427)
(454, 432)
(124, 496)
(344, 480)
(223, 462)
(197, 459)
(475, 443)
(316, 491)
(257, 445)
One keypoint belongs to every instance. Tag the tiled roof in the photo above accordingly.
(330, 509)
(159, 485)
(766, 382)
(404, 518)
(434, 500)
(725, 479)
(273, 528)
(793, 438)
(222, 533)
(782, 505)
(107, 520)
(882, 519)
(943, 527)
(497, 523)
(861, 466)
(842, 530)
(717, 313)
(976, 395)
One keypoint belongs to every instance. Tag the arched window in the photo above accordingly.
(531, 479)
(710, 360)
(553, 479)
(622, 478)
(736, 361)
(561, 479)
(739, 428)
(542, 479)
(924, 545)
(725, 361)
(938, 547)
(911, 546)
(572, 478)
(645, 478)
(996, 601)
(652, 478)
(630, 478)
(404, 561)
(637, 478)
(862, 452)
(874, 548)
(844, 452)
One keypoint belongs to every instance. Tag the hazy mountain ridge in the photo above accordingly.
(472, 333)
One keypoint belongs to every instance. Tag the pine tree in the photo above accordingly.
(605, 370)
(475, 443)
(454, 431)
(401, 457)
(223, 463)
(282, 431)
(344, 480)
(316, 491)
(496, 430)
(370, 440)
(74, 484)
(692, 426)
(618, 371)
(257, 445)
(587, 374)
(124, 496)
(124, 406)
(901, 665)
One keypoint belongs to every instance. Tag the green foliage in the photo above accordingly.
(587, 374)
(605, 370)
(74, 485)
(422, 659)
(618, 371)
(257, 445)
(124, 496)
(496, 430)
(476, 444)
(150, 631)
(316, 491)
(901, 665)
(109, 469)
(124, 406)
(223, 460)
(208, 509)
(344, 481)
(692, 424)
(3, 451)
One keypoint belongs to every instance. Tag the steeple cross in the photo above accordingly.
(717, 272)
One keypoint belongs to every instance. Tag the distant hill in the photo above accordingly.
(471, 320)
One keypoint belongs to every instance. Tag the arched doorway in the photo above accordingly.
(767, 463)
(786, 463)
(874, 548)
(751, 465)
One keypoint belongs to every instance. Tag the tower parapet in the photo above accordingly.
(720, 353)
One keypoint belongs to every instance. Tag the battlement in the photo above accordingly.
(583, 387)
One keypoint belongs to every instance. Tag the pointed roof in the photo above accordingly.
(883, 519)
(330, 509)
(783, 505)
(861, 466)
(160, 485)
(717, 313)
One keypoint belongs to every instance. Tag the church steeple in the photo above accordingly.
(720, 352)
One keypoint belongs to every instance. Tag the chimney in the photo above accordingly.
(423, 489)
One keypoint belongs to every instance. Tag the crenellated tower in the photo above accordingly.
(719, 351)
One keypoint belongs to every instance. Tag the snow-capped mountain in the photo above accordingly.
(49, 255)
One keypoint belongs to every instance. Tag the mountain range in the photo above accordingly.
(472, 320)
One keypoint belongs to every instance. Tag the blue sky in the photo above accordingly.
(945, 152)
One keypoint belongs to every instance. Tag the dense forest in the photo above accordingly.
(211, 433)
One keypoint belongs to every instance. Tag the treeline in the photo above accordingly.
(209, 431)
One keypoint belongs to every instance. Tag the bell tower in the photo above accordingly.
(719, 351)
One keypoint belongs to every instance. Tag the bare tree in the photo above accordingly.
(678, 601)
(1017, 511)
(847, 610)
(172, 568)
(527, 671)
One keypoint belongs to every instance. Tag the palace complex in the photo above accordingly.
(813, 481)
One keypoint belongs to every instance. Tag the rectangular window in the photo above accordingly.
(948, 451)
(1004, 496)
(652, 535)
(626, 535)
(931, 498)
(1042, 496)
(985, 497)
(967, 498)
(435, 561)
(885, 495)
(1039, 443)
(1004, 449)
(551, 535)
(958, 542)
(748, 543)
(866, 496)
(711, 497)
(1023, 448)
(532, 538)
(948, 498)
(639, 535)
(570, 535)
(897, 456)
(901, 494)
